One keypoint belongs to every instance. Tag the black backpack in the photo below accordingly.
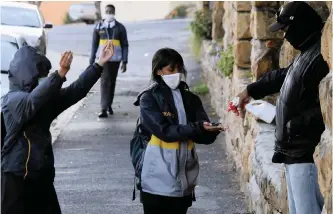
(138, 146)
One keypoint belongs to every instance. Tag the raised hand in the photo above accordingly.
(106, 53)
(65, 63)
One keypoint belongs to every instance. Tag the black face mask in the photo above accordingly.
(301, 32)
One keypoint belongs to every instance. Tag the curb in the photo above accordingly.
(63, 119)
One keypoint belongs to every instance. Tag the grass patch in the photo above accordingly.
(226, 62)
(200, 89)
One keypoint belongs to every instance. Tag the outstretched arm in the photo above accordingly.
(269, 83)
(80, 88)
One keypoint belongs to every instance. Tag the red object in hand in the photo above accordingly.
(233, 108)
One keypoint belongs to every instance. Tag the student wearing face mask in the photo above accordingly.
(109, 29)
(173, 119)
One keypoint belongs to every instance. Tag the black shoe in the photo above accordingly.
(110, 110)
(103, 114)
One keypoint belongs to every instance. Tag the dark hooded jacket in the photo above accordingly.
(29, 109)
(299, 123)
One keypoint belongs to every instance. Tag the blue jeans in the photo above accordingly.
(304, 195)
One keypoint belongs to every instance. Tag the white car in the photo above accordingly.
(85, 12)
(26, 20)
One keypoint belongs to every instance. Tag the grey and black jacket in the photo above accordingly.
(299, 122)
(170, 164)
(29, 109)
(102, 33)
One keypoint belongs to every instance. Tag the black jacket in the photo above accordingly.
(159, 115)
(299, 122)
(29, 109)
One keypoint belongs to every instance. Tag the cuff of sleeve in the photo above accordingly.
(100, 68)
(251, 89)
(64, 79)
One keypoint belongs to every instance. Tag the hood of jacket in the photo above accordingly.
(26, 67)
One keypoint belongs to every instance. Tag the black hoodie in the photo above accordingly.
(29, 109)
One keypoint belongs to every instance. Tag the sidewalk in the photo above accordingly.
(94, 173)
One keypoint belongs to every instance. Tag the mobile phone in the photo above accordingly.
(216, 124)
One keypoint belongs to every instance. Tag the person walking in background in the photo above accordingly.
(299, 122)
(35, 99)
(110, 29)
(173, 118)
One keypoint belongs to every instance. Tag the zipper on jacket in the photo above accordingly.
(28, 158)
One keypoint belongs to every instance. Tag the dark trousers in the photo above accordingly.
(108, 83)
(26, 196)
(155, 204)
(164, 209)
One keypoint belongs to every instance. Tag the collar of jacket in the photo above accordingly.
(164, 96)
(101, 23)
(155, 86)
(310, 41)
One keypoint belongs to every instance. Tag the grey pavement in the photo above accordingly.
(94, 174)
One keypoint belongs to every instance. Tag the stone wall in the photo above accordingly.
(323, 156)
(250, 143)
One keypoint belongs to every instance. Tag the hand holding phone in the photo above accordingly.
(214, 127)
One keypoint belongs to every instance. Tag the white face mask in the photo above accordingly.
(109, 17)
(172, 80)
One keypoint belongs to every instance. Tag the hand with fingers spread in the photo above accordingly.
(65, 63)
(106, 53)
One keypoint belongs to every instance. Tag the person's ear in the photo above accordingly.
(159, 73)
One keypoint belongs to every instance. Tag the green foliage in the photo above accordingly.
(226, 62)
(200, 89)
(179, 12)
(201, 26)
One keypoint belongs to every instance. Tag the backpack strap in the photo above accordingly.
(137, 130)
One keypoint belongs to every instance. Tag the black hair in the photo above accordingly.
(111, 5)
(164, 57)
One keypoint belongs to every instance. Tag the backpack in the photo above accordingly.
(138, 146)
